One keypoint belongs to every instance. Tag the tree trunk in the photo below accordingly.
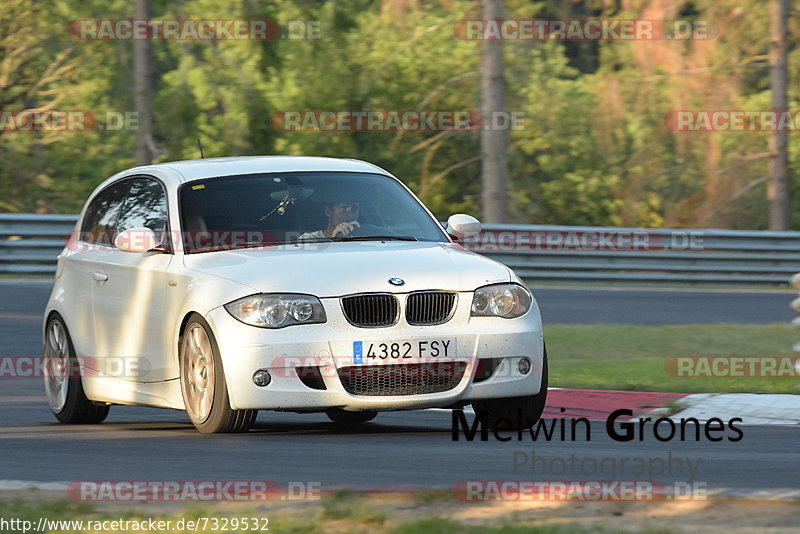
(143, 90)
(495, 178)
(778, 190)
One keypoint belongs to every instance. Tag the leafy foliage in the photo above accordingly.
(594, 148)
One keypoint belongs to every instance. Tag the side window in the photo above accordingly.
(99, 222)
(146, 207)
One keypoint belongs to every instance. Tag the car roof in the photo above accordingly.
(196, 169)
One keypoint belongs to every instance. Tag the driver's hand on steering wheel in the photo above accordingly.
(344, 228)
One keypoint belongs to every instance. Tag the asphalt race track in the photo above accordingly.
(409, 449)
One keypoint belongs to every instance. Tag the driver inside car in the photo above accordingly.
(342, 220)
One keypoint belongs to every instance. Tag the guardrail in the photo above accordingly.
(29, 244)
(795, 305)
(581, 254)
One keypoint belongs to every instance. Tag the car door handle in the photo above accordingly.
(100, 277)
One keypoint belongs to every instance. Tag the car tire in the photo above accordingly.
(343, 417)
(62, 379)
(205, 393)
(522, 412)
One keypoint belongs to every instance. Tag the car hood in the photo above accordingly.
(335, 269)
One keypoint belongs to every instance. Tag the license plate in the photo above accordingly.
(403, 351)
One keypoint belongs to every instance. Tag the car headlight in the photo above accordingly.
(501, 300)
(277, 311)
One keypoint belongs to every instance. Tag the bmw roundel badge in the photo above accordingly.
(396, 281)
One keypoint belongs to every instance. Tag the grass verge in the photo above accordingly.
(628, 357)
(403, 513)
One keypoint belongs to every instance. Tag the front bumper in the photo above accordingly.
(245, 349)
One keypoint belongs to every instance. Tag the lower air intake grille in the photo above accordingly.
(407, 379)
(311, 377)
(371, 311)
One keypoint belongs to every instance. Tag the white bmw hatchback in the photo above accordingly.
(227, 286)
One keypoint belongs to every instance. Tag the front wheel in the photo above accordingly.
(205, 393)
(522, 412)
(62, 379)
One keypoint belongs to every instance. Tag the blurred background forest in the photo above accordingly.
(594, 149)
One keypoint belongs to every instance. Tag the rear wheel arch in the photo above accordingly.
(76, 407)
(57, 314)
(51, 315)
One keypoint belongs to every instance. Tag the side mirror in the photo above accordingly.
(461, 225)
(137, 240)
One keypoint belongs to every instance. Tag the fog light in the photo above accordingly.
(262, 378)
(524, 366)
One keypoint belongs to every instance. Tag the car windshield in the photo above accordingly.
(278, 208)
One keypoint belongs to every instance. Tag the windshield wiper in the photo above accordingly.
(313, 240)
(376, 238)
